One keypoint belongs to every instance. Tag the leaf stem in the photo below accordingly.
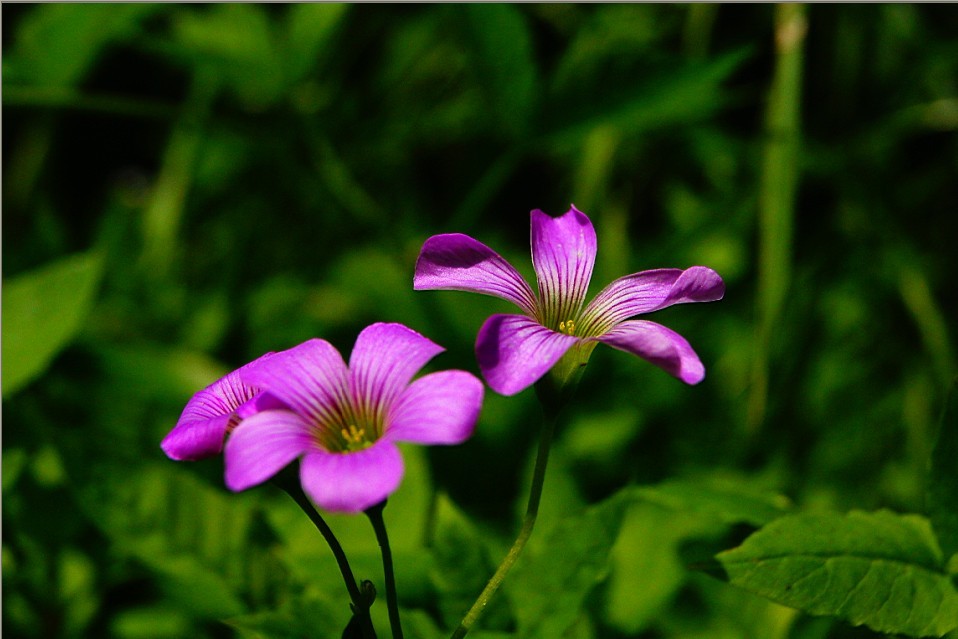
(375, 515)
(528, 522)
(360, 603)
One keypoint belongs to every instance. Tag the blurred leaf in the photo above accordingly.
(236, 41)
(306, 616)
(154, 622)
(152, 372)
(461, 567)
(646, 568)
(56, 44)
(196, 539)
(42, 312)
(942, 497)
(14, 462)
(503, 59)
(879, 569)
(687, 95)
(547, 593)
(727, 500)
(309, 29)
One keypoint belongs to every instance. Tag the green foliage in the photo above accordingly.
(879, 569)
(548, 594)
(42, 312)
(942, 497)
(189, 186)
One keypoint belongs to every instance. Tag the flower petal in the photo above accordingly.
(649, 291)
(440, 408)
(514, 351)
(310, 378)
(458, 262)
(205, 420)
(264, 444)
(563, 254)
(659, 345)
(384, 359)
(351, 482)
(191, 441)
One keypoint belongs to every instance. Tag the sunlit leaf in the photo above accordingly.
(878, 569)
(43, 310)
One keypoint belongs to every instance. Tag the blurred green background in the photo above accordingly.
(186, 187)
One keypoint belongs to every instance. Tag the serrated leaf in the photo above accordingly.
(879, 569)
(728, 501)
(548, 588)
(43, 310)
(942, 498)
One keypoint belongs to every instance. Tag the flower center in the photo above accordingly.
(567, 327)
(354, 439)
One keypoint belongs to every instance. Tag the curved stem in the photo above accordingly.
(375, 515)
(360, 603)
(528, 522)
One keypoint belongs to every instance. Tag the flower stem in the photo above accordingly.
(375, 515)
(360, 603)
(528, 522)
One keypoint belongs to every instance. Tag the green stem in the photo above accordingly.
(360, 603)
(528, 522)
(375, 515)
(777, 193)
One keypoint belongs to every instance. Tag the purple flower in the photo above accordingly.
(343, 422)
(212, 413)
(515, 351)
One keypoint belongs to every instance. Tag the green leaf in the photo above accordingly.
(196, 539)
(42, 312)
(309, 29)
(57, 43)
(942, 498)
(879, 569)
(503, 59)
(308, 616)
(461, 567)
(687, 95)
(549, 587)
(727, 500)
(236, 41)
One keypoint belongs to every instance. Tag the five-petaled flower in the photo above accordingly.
(343, 422)
(515, 351)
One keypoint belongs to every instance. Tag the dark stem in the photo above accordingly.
(375, 515)
(528, 522)
(290, 484)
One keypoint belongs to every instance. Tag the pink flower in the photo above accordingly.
(515, 351)
(211, 414)
(343, 422)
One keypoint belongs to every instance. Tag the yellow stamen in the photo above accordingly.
(567, 327)
(354, 437)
